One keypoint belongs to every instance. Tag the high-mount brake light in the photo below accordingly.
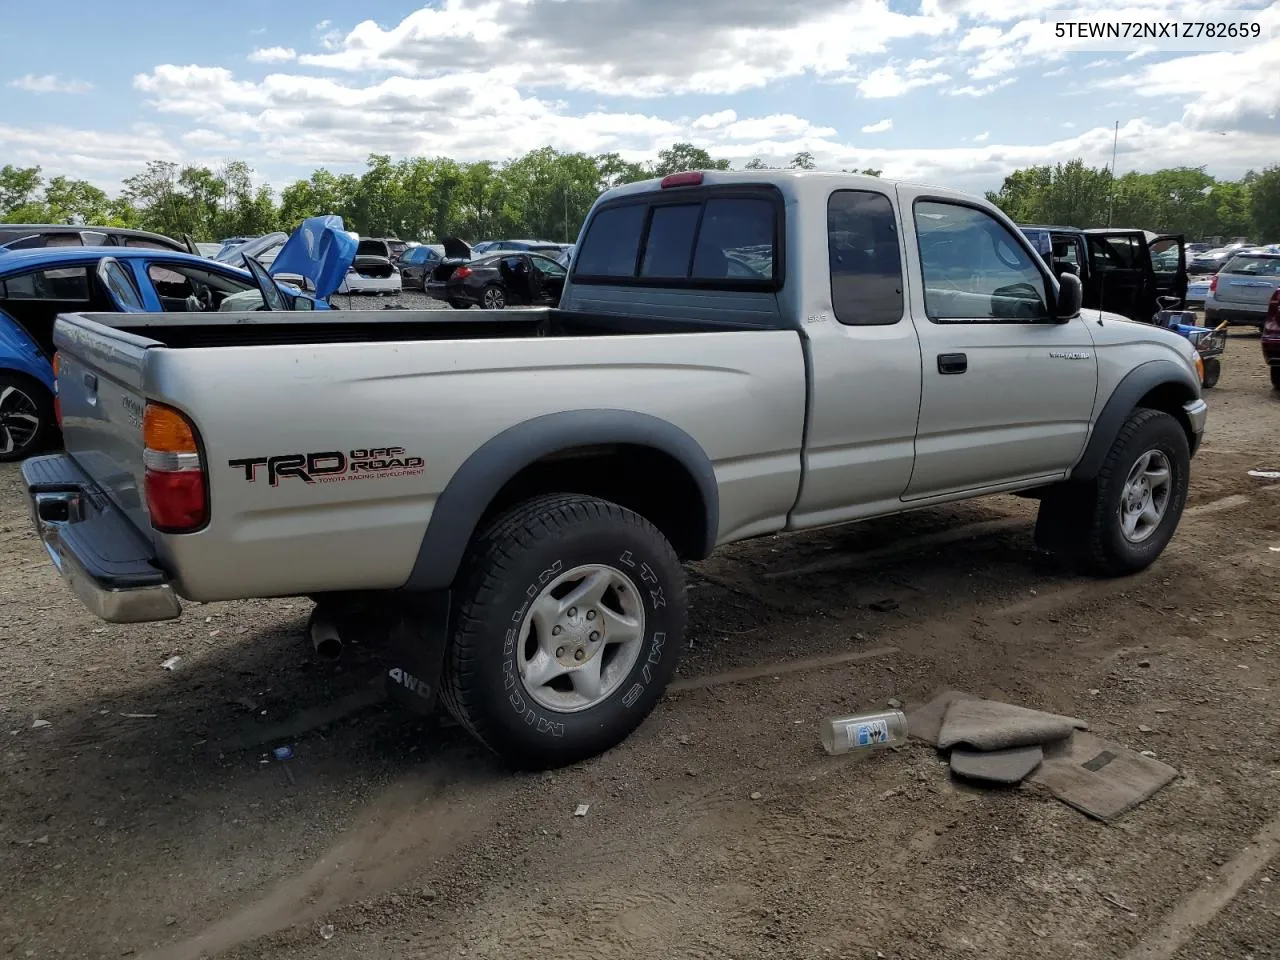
(691, 178)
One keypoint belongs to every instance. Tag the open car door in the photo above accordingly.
(1169, 264)
(190, 244)
(119, 285)
(1120, 278)
(273, 297)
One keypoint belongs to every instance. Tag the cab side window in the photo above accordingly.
(974, 269)
(865, 259)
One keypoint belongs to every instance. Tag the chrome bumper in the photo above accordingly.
(1197, 412)
(113, 577)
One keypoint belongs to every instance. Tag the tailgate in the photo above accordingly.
(1242, 288)
(100, 373)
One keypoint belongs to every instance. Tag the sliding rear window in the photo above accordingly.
(706, 239)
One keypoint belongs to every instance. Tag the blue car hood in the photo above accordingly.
(320, 250)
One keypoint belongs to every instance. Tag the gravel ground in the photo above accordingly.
(141, 814)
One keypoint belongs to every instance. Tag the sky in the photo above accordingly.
(953, 92)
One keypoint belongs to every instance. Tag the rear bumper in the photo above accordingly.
(1239, 315)
(447, 293)
(359, 284)
(107, 564)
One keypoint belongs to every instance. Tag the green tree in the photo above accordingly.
(1264, 205)
(685, 156)
(18, 186)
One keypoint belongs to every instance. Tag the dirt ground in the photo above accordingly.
(145, 818)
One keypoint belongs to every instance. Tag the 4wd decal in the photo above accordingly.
(332, 466)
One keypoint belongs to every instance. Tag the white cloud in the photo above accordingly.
(709, 121)
(887, 81)
(971, 91)
(1234, 90)
(487, 79)
(273, 55)
(50, 83)
(628, 48)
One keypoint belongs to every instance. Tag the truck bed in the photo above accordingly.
(437, 385)
(261, 328)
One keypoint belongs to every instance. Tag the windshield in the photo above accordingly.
(1254, 266)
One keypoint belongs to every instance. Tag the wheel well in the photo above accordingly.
(1169, 397)
(651, 483)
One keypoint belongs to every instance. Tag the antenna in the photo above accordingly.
(1111, 201)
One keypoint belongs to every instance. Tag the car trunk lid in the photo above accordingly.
(1248, 280)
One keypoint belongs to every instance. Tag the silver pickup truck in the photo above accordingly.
(508, 496)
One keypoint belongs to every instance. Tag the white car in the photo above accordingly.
(373, 270)
(1240, 293)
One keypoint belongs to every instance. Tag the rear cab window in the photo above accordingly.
(709, 238)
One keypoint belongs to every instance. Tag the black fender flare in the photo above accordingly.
(487, 470)
(1135, 385)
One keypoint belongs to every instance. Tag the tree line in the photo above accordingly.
(1183, 200)
(546, 194)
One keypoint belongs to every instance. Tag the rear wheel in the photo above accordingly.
(26, 417)
(1275, 376)
(493, 297)
(1212, 371)
(571, 612)
(459, 304)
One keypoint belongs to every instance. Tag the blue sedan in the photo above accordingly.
(38, 284)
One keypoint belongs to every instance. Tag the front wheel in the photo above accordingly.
(26, 417)
(1139, 495)
(571, 612)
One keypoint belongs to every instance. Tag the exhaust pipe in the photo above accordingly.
(325, 637)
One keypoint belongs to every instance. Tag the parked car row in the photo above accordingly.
(37, 283)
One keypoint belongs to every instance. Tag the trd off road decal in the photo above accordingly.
(332, 466)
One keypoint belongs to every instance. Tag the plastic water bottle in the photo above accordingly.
(864, 731)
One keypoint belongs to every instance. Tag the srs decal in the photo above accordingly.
(331, 466)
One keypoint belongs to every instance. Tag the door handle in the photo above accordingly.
(952, 363)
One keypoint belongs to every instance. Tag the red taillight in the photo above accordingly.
(57, 400)
(175, 484)
(462, 272)
(1271, 326)
(692, 178)
(1213, 284)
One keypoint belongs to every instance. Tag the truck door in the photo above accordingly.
(864, 361)
(1007, 391)
(1168, 255)
(1119, 278)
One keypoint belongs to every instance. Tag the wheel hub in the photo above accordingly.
(1146, 495)
(580, 638)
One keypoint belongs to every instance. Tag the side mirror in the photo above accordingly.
(1070, 297)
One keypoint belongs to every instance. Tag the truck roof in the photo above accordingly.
(792, 183)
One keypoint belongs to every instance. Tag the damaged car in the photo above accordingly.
(1122, 271)
(373, 270)
(498, 281)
